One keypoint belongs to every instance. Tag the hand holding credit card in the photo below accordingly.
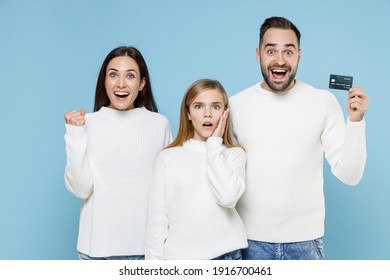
(340, 82)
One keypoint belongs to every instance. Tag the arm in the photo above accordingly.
(167, 135)
(345, 146)
(78, 178)
(227, 174)
(157, 229)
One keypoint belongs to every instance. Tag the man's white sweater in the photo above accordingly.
(285, 137)
(194, 190)
(109, 165)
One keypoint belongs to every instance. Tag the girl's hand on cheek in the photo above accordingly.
(218, 132)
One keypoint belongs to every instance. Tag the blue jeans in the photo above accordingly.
(233, 255)
(305, 250)
(135, 257)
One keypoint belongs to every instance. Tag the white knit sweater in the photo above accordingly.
(109, 165)
(194, 190)
(285, 137)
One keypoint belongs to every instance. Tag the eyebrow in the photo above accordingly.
(128, 70)
(199, 102)
(274, 45)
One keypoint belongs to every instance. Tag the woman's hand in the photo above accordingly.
(75, 117)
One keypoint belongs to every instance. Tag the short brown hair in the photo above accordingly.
(279, 23)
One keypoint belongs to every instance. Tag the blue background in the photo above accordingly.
(50, 55)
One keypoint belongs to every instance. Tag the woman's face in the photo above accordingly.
(123, 82)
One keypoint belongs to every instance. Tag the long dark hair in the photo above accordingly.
(145, 96)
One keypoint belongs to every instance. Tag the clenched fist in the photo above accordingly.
(75, 117)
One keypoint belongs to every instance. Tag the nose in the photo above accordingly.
(121, 82)
(207, 112)
(280, 58)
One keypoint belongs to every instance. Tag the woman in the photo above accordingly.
(197, 182)
(110, 157)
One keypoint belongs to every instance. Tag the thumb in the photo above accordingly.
(82, 112)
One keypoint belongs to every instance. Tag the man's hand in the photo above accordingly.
(357, 103)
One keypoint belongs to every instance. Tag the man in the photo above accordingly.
(286, 127)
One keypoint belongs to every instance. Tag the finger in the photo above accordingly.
(359, 100)
(82, 112)
(67, 114)
(75, 118)
(227, 111)
(356, 106)
(218, 132)
(77, 121)
(357, 91)
(223, 120)
(72, 117)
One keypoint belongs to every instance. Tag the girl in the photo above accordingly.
(197, 182)
(110, 157)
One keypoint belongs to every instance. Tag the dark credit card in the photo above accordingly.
(340, 82)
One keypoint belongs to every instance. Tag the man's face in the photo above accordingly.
(279, 56)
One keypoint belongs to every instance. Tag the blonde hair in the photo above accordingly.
(186, 129)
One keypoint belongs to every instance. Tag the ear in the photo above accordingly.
(189, 115)
(299, 55)
(258, 55)
(142, 84)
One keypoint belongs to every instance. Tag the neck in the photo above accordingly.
(265, 86)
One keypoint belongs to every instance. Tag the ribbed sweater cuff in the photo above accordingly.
(358, 125)
(214, 141)
(74, 131)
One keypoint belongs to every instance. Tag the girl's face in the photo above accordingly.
(204, 113)
(123, 82)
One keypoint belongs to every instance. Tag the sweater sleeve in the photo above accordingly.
(157, 229)
(345, 147)
(167, 135)
(226, 173)
(78, 178)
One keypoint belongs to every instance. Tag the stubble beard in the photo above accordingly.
(279, 88)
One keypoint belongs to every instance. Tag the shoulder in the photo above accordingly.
(93, 116)
(155, 117)
(242, 98)
(235, 152)
(242, 95)
(307, 88)
(316, 95)
(168, 153)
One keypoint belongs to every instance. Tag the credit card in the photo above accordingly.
(340, 82)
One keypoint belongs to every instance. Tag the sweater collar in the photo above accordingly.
(121, 114)
(270, 94)
(195, 145)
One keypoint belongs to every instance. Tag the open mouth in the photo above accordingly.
(207, 124)
(278, 74)
(120, 94)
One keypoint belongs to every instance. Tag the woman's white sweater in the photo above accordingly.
(109, 165)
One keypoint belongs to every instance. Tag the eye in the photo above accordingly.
(113, 74)
(216, 107)
(197, 106)
(289, 53)
(270, 52)
(130, 76)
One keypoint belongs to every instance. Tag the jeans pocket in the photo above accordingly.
(319, 243)
(236, 255)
